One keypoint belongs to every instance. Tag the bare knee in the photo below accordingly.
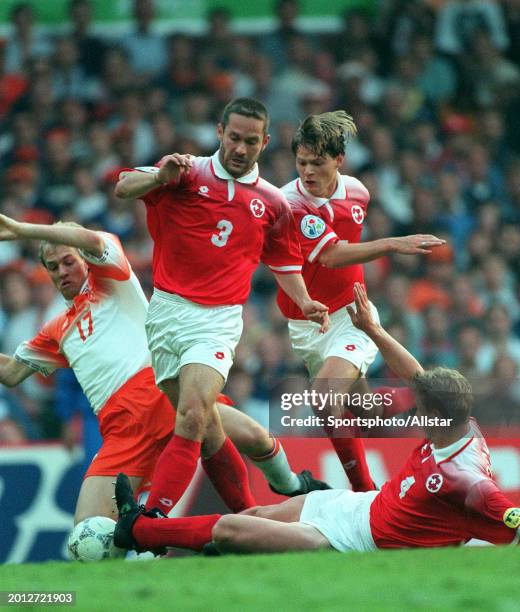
(253, 440)
(225, 531)
(193, 412)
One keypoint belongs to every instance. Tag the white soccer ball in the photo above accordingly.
(93, 540)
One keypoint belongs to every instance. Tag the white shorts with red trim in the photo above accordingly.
(341, 340)
(342, 517)
(181, 332)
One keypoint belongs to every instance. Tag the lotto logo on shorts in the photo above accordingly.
(219, 355)
(512, 517)
(350, 347)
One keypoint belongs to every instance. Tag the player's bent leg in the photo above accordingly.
(249, 437)
(288, 511)
(198, 389)
(243, 534)
(338, 377)
(199, 386)
(95, 497)
(225, 466)
(266, 453)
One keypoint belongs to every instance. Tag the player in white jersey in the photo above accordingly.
(101, 336)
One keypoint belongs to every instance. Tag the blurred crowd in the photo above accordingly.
(434, 87)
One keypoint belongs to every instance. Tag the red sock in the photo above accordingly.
(351, 453)
(173, 473)
(402, 400)
(185, 532)
(228, 473)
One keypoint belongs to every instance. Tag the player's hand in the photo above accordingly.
(361, 317)
(8, 228)
(317, 312)
(172, 167)
(416, 244)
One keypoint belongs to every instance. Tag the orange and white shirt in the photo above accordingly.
(101, 335)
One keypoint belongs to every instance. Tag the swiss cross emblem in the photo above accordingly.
(219, 355)
(257, 207)
(434, 482)
(350, 347)
(357, 214)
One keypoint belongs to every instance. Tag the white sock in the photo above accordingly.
(277, 470)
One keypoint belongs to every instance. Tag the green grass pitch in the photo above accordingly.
(468, 579)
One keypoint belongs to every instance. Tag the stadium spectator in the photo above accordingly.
(459, 20)
(143, 43)
(91, 48)
(24, 42)
(500, 340)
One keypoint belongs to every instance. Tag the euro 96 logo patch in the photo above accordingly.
(312, 226)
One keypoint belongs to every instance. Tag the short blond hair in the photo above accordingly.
(45, 243)
(445, 390)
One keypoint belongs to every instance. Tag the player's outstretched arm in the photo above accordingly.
(294, 286)
(136, 183)
(343, 253)
(78, 237)
(398, 359)
(13, 372)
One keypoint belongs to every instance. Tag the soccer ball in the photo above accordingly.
(93, 540)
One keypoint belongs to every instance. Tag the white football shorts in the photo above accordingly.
(182, 332)
(342, 517)
(341, 340)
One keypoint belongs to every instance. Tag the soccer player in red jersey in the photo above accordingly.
(212, 219)
(101, 336)
(329, 210)
(444, 495)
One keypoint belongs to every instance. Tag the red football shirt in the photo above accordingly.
(210, 232)
(442, 497)
(320, 223)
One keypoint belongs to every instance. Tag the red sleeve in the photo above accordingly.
(154, 196)
(491, 516)
(486, 499)
(281, 250)
(314, 234)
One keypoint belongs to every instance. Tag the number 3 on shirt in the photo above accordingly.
(90, 326)
(220, 239)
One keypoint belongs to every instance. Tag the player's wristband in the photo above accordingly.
(511, 518)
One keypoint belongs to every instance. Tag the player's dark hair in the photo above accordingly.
(247, 107)
(446, 391)
(324, 134)
(45, 243)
